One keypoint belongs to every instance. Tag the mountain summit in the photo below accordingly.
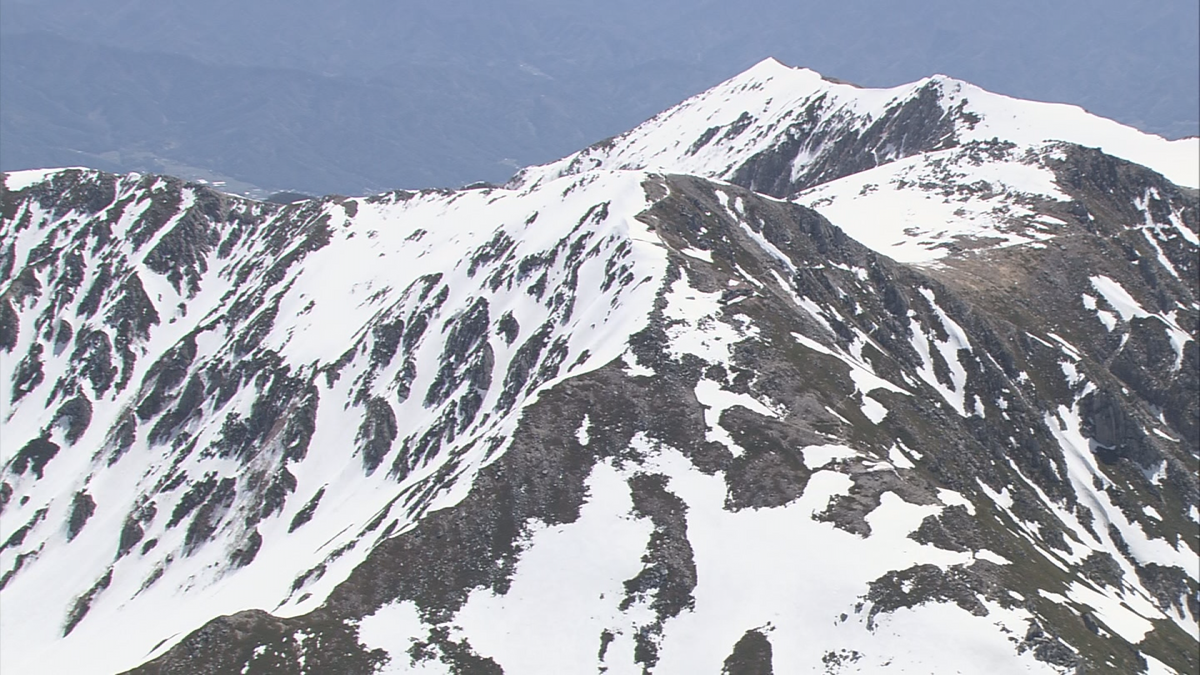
(778, 130)
(794, 377)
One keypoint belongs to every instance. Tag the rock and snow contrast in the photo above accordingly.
(794, 377)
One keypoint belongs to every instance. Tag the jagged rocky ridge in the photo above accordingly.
(607, 419)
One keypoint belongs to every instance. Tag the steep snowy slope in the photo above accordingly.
(195, 384)
(778, 130)
(811, 459)
(612, 420)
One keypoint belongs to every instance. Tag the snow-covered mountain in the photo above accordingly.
(794, 377)
(778, 130)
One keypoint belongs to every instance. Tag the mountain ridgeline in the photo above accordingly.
(794, 377)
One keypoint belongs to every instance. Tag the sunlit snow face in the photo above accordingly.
(576, 277)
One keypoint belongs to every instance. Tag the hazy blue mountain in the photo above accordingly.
(354, 97)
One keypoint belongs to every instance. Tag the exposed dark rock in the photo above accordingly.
(282, 484)
(193, 497)
(93, 354)
(466, 356)
(1102, 569)
(1116, 435)
(377, 433)
(920, 584)
(256, 643)
(750, 656)
(285, 412)
(459, 655)
(95, 294)
(28, 374)
(121, 437)
(954, 529)
(188, 406)
(84, 602)
(305, 514)
(508, 327)
(669, 574)
(208, 515)
(490, 252)
(82, 508)
(164, 204)
(131, 534)
(245, 554)
(522, 365)
(34, 456)
(181, 254)
(1048, 648)
(849, 511)
(133, 314)
(10, 326)
(18, 563)
(74, 417)
(17, 538)
(250, 337)
(387, 340)
(1172, 588)
(770, 473)
(62, 337)
(166, 375)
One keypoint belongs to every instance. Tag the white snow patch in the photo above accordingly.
(1118, 298)
(992, 557)
(873, 409)
(1116, 613)
(716, 400)
(706, 256)
(1070, 372)
(1162, 434)
(1156, 667)
(819, 456)
(20, 180)
(898, 459)
(582, 433)
(767, 246)
(567, 586)
(952, 498)
(813, 344)
(695, 326)
(1066, 347)
(1002, 498)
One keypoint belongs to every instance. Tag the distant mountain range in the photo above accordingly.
(329, 97)
(796, 376)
